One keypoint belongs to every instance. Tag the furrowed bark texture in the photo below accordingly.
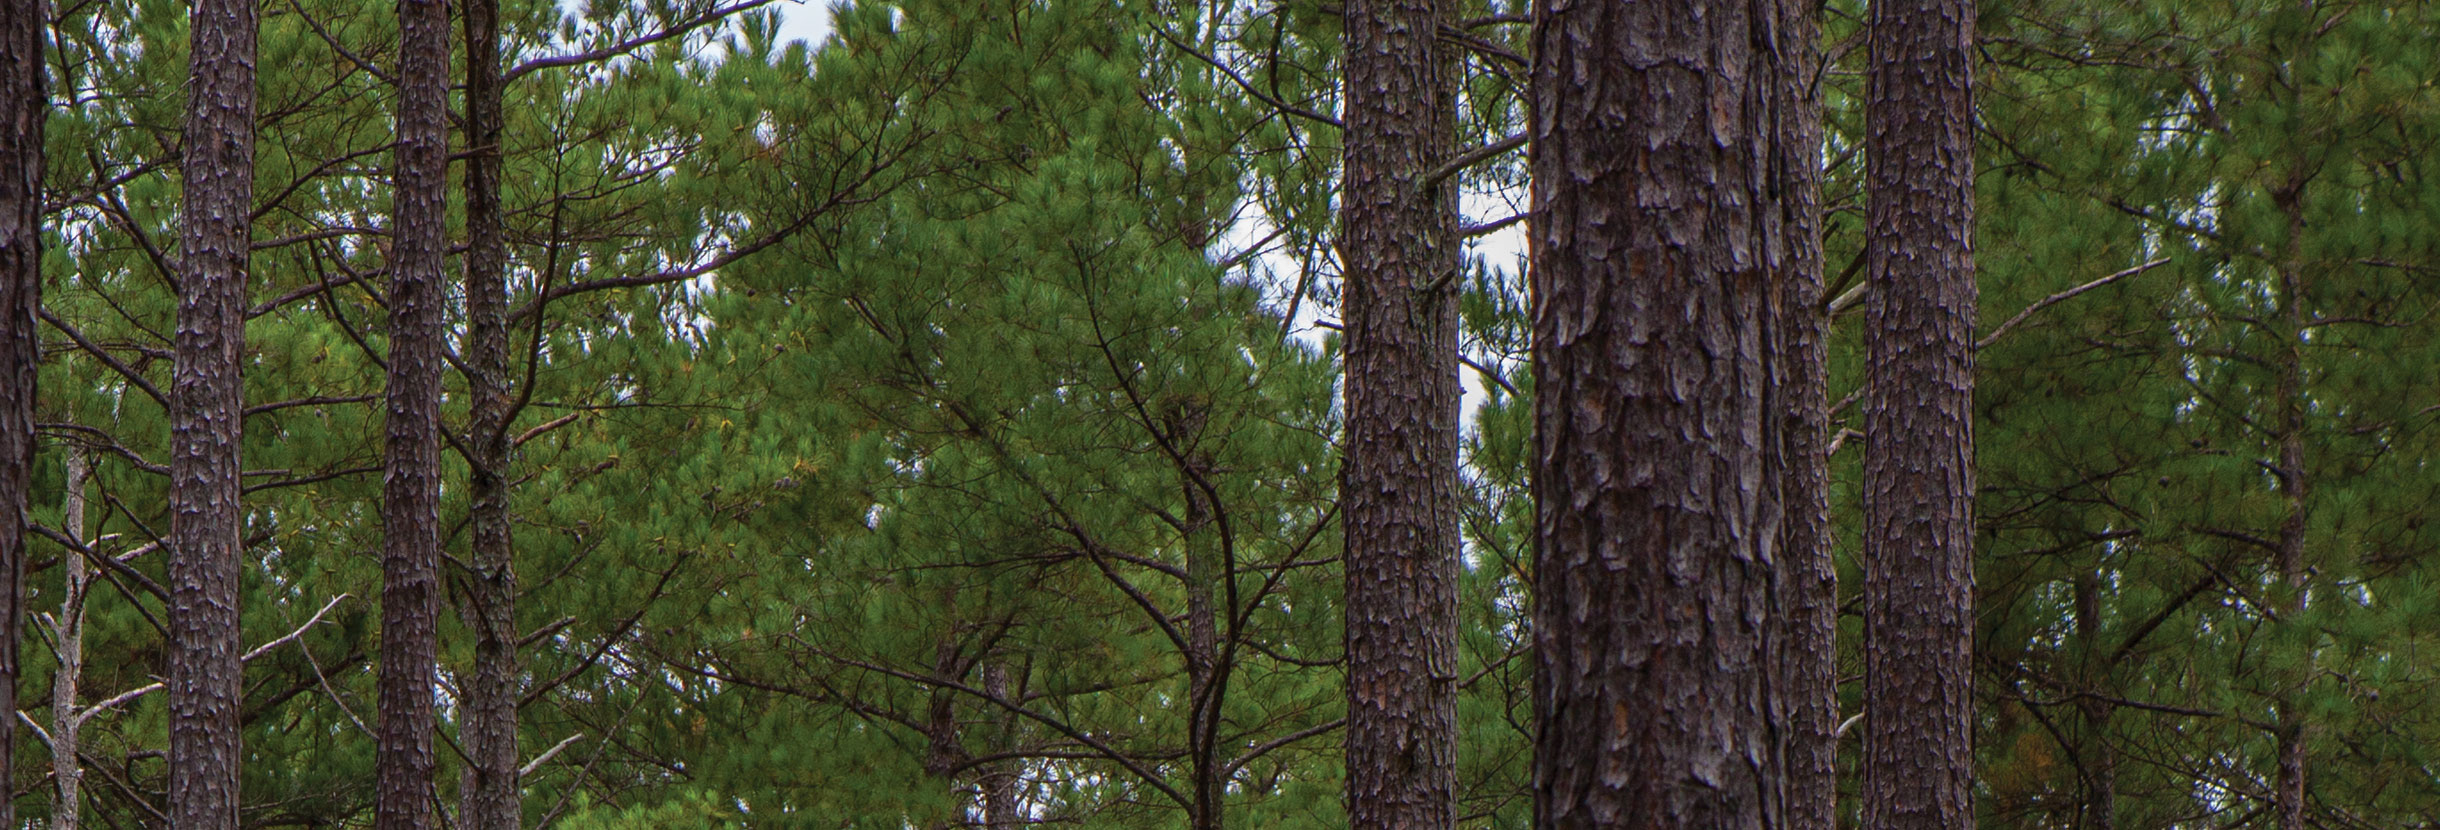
(207, 399)
(1398, 485)
(1800, 393)
(1919, 414)
(410, 506)
(1669, 139)
(489, 800)
(22, 28)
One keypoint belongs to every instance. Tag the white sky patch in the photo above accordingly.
(805, 21)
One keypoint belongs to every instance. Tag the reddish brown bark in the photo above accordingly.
(1809, 597)
(1673, 242)
(1919, 416)
(1398, 486)
(489, 800)
(410, 507)
(21, 85)
(207, 399)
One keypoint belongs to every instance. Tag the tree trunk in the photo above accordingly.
(1667, 243)
(1398, 485)
(208, 397)
(1799, 393)
(1205, 680)
(2099, 760)
(410, 507)
(999, 778)
(22, 28)
(947, 750)
(490, 798)
(1919, 419)
(68, 631)
(2289, 794)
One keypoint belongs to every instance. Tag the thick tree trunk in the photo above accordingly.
(1666, 247)
(22, 28)
(68, 632)
(1398, 487)
(208, 398)
(410, 507)
(490, 798)
(1919, 415)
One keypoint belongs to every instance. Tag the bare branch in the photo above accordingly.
(1470, 158)
(680, 29)
(539, 760)
(122, 698)
(2061, 297)
(115, 365)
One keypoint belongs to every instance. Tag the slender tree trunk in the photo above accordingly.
(1398, 484)
(410, 508)
(2100, 761)
(948, 749)
(206, 422)
(1800, 394)
(68, 631)
(1204, 681)
(1919, 416)
(2293, 487)
(999, 778)
(22, 25)
(490, 800)
(1666, 248)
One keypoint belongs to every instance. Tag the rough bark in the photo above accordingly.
(1919, 414)
(489, 800)
(68, 632)
(22, 28)
(410, 507)
(1809, 660)
(1398, 487)
(1666, 247)
(207, 401)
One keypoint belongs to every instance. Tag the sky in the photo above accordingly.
(805, 20)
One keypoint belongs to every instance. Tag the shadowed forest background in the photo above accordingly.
(939, 425)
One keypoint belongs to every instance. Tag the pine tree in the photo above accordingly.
(1662, 249)
(1919, 420)
(410, 504)
(1398, 481)
(23, 27)
(488, 796)
(215, 236)
(68, 635)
